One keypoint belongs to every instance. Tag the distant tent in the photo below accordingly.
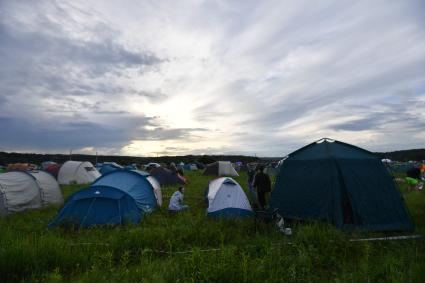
(18, 191)
(77, 172)
(109, 167)
(134, 183)
(190, 167)
(166, 177)
(227, 198)
(200, 165)
(50, 190)
(51, 167)
(3, 169)
(343, 184)
(270, 170)
(220, 168)
(400, 167)
(46, 164)
(21, 167)
(99, 205)
(151, 165)
(180, 166)
(130, 167)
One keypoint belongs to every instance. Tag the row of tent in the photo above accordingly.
(124, 196)
(83, 172)
(75, 172)
(24, 189)
(117, 197)
(326, 180)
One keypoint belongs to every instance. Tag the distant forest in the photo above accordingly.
(13, 157)
(404, 155)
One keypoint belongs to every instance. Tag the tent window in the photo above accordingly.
(88, 169)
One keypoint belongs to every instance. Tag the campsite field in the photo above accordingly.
(192, 248)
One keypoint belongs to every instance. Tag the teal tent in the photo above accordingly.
(340, 183)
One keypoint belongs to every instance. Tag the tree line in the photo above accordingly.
(35, 158)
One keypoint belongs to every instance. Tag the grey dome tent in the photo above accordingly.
(18, 191)
(340, 183)
(220, 168)
(21, 190)
(166, 177)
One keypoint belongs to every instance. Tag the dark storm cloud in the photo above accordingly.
(20, 133)
(45, 59)
(359, 125)
(381, 122)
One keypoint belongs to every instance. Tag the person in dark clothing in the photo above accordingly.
(414, 172)
(413, 179)
(263, 185)
(251, 174)
(180, 171)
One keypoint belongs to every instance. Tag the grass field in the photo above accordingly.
(189, 247)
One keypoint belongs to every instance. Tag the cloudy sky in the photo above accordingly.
(151, 78)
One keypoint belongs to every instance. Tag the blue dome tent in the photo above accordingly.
(134, 183)
(99, 205)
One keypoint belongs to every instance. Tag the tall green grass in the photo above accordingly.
(189, 247)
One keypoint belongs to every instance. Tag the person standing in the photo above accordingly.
(413, 178)
(263, 185)
(176, 201)
(251, 174)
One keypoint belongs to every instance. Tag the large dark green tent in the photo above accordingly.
(340, 183)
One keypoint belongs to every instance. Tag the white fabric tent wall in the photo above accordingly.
(225, 168)
(50, 190)
(157, 189)
(77, 172)
(18, 191)
(226, 193)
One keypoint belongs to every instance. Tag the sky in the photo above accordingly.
(149, 78)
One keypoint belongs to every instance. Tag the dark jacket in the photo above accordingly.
(251, 174)
(262, 182)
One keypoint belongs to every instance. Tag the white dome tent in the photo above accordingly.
(18, 191)
(50, 190)
(227, 198)
(77, 172)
